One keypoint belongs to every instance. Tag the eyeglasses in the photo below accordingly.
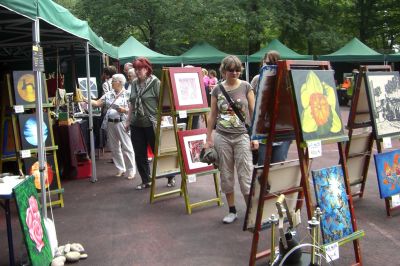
(234, 70)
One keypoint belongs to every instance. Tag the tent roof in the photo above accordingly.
(203, 53)
(132, 49)
(353, 51)
(393, 57)
(284, 51)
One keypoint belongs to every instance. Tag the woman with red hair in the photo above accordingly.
(142, 117)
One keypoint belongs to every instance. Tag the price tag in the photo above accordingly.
(314, 148)
(191, 178)
(18, 109)
(395, 200)
(182, 114)
(332, 252)
(387, 142)
(25, 153)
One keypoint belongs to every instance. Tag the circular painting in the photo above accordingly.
(26, 87)
(30, 131)
(48, 174)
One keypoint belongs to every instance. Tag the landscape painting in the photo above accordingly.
(388, 173)
(331, 197)
(317, 104)
(384, 98)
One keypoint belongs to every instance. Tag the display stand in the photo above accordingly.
(282, 90)
(168, 161)
(360, 144)
(10, 115)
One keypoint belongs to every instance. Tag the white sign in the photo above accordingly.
(191, 178)
(332, 252)
(387, 142)
(25, 153)
(182, 114)
(395, 200)
(19, 109)
(314, 148)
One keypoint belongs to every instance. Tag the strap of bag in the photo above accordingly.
(114, 100)
(234, 107)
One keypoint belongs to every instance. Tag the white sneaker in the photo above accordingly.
(230, 218)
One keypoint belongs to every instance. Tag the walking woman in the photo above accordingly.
(116, 104)
(231, 140)
(142, 117)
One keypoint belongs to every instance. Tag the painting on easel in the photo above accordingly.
(384, 98)
(25, 87)
(28, 128)
(387, 166)
(32, 168)
(330, 193)
(317, 104)
(33, 229)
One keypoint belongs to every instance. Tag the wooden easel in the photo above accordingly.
(8, 114)
(282, 87)
(167, 108)
(359, 147)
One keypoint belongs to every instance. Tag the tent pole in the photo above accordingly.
(93, 178)
(39, 121)
(246, 64)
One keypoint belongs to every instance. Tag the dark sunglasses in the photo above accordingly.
(234, 70)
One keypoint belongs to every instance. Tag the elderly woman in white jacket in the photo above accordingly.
(116, 102)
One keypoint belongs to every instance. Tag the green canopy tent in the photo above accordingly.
(203, 53)
(393, 57)
(132, 49)
(353, 51)
(284, 51)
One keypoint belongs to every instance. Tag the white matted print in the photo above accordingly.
(188, 89)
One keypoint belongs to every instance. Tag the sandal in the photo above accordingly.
(143, 186)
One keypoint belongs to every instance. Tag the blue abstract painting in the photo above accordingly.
(388, 173)
(330, 193)
(28, 128)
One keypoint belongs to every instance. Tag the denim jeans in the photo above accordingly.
(279, 152)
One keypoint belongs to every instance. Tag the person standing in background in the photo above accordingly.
(231, 140)
(108, 72)
(131, 77)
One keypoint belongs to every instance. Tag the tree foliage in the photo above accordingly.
(243, 26)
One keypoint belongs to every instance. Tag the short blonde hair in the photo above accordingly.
(230, 62)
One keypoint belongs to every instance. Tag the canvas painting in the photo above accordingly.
(191, 142)
(384, 98)
(317, 104)
(362, 114)
(93, 87)
(331, 197)
(264, 104)
(31, 166)
(33, 229)
(25, 87)
(188, 88)
(388, 173)
(28, 131)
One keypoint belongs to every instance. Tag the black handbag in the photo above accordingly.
(240, 116)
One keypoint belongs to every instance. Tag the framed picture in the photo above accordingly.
(384, 100)
(358, 154)
(188, 88)
(25, 87)
(191, 142)
(167, 138)
(93, 87)
(264, 104)
(388, 173)
(31, 166)
(167, 164)
(28, 131)
(291, 171)
(32, 225)
(331, 197)
(317, 104)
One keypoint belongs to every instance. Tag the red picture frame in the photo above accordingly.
(188, 88)
(191, 142)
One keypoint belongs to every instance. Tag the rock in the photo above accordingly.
(67, 248)
(59, 251)
(73, 256)
(84, 256)
(58, 261)
(77, 247)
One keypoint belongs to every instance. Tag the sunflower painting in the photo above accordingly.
(317, 104)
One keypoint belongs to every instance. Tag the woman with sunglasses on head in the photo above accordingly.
(231, 140)
(142, 117)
